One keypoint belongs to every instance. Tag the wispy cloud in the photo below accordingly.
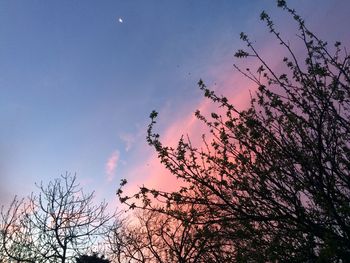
(111, 165)
(128, 140)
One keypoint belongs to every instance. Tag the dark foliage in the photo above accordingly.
(94, 258)
(271, 181)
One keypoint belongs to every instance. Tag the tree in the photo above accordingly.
(156, 237)
(274, 179)
(2, 252)
(56, 225)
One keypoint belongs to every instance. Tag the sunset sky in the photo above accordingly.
(78, 80)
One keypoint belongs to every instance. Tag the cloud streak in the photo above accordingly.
(111, 165)
(128, 140)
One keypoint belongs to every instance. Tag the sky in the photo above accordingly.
(78, 80)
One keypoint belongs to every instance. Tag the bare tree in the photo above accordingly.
(273, 179)
(2, 252)
(155, 237)
(56, 225)
(126, 244)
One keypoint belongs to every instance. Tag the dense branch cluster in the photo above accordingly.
(156, 237)
(273, 180)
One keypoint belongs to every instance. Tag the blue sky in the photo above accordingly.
(77, 86)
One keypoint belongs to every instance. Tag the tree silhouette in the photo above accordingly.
(55, 225)
(156, 237)
(272, 180)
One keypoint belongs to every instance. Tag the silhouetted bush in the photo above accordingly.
(94, 258)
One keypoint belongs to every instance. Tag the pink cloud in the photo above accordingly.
(111, 165)
(149, 171)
